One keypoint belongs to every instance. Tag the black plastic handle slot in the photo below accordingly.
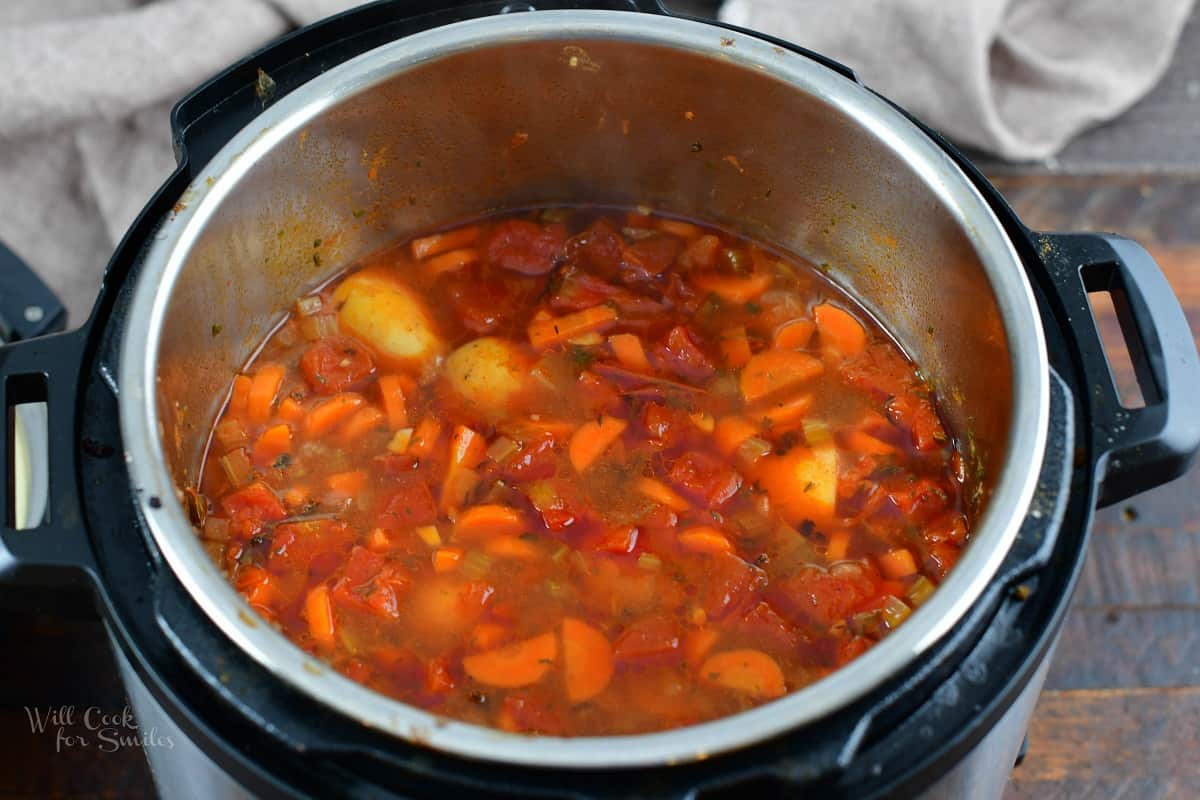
(56, 551)
(1137, 448)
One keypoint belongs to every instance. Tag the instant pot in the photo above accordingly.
(398, 116)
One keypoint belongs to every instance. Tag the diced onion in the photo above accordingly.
(816, 432)
(502, 449)
(476, 564)
(649, 562)
(753, 450)
(216, 529)
(236, 467)
(429, 535)
(920, 591)
(309, 306)
(894, 611)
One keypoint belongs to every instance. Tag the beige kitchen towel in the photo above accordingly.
(86, 88)
(1017, 78)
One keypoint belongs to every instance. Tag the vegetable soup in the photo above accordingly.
(582, 471)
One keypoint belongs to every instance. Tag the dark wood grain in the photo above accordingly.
(1128, 647)
(1139, 743)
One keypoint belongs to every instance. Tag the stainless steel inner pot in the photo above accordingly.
(602, 107)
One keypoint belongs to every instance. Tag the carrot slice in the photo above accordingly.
(513, 547)
(776, 370)
(897, 563)
(705, 539)
(794, 334)
(730, 432)
(862, 442)
(487, 521)
(840, 332)
(696, 645)
(735, 347)
(446, 559)
(319, 613)
(347, 483)
(240, 394)
(325, 417)
(456, 489)
(587, 660)
(752, 672)
(467, 448)
(274, 442)
(425, 438)
(378, 541)
(361, 423)
(516, 665)
(391, 390)
(732, 288)
(548, 330)
(592, 439)
(628, 349)
(290, 409)
(451, 261)
(660, 493)
(263, 388)
(676, 227)
(788, 412)
(436, 243)
(839, 545)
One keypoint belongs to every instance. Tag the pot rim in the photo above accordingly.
(176, 539)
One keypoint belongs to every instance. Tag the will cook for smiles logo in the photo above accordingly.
(106, 731)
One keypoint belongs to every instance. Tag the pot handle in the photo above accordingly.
(1138, 448)
(40, 368)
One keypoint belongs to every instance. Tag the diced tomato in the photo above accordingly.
(649, 257)
(851, 648)
(314, 547)
(576, 290)
(598, 396)
(337, 364)
(357, 670)
(521, 713)
(481, 299)
(730, 586)
(533, 462)
(655, 640)
(668, 427)
(598, 249)
(362, 566)
(438, 677)
(943, 556)
(814, 596)
(410, 504)
(761, 625)
(680, 353)
(618, 540)
(705, 478)
(919, 416)
(950, 527)
(526, 247)
(250, 507)
(919, 501)
(401, 665)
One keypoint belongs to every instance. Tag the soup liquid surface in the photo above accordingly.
(582, 472)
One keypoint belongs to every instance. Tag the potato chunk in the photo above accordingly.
(802, 483)
(389, 317)
(488, 373)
